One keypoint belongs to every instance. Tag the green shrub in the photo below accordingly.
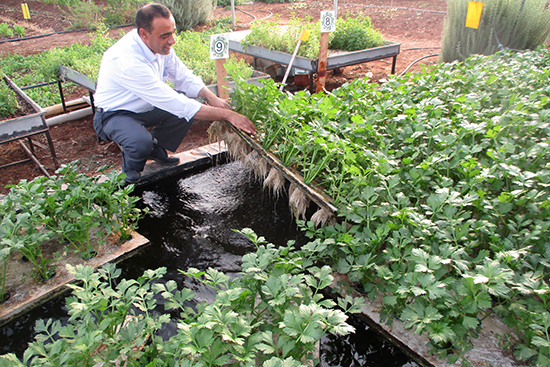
(189, 13)
(354, 34)
(504, 24)
(5, 30)
(8, 99)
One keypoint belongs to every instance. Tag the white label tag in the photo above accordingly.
(328, 21)
(219, 47)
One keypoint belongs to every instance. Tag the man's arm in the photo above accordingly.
(218, 109)
(212, 99)
(210, 113)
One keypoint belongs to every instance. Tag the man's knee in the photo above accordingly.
(140, 147)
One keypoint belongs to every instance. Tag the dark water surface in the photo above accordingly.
(190, 224)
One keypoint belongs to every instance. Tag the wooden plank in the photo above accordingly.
(221, 79)
(322, 67)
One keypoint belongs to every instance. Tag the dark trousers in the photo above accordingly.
(130, 131)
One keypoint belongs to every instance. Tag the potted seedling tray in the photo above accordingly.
(23, 127)
(334, 60)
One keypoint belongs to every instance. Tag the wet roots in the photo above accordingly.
(323, 217)
(275, 181)
(257, 164)
(237, 148)
(217, 131)
(298, 202)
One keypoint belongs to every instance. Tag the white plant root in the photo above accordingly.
(217, 131)
(275, 181)
(323, 217)
(237, 148)
(257, 164)
(298, 202)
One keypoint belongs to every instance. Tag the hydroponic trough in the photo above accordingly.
(334, 60)
(487, 348)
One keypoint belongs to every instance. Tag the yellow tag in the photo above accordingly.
(474, 14)
(26, 13)
(304, 35)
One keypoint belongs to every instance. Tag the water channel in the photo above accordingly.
(190, 224)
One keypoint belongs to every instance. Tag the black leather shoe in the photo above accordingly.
(159, 155)
(132, 176)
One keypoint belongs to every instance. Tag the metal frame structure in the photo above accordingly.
(25, 127)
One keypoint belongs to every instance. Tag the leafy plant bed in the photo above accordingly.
(441, 181)
(27, 291)
(486, 348)
(355, 41)
(60, 216)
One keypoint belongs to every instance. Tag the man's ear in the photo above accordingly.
(143, 33)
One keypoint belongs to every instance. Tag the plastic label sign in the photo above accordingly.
(304, 35)
(474, 14)
(328, 21)
(25, 9)
(219, 47)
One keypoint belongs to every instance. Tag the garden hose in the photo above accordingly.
(415, 61)
(61, 32)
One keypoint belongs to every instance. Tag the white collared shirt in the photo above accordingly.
(133, 78)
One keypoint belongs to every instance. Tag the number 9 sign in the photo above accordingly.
(219, 47)
(328, 21)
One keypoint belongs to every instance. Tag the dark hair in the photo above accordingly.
(147, 13)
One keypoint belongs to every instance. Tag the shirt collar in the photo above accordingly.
(146, 51)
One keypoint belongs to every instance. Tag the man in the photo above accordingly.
(132, 94)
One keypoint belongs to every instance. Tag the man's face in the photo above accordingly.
(161, 38)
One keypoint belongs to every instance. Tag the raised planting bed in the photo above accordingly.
(67, 219)
(335, 59)
(32, 122)
(27, 291)
(435, 224)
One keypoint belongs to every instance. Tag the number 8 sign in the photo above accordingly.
(328, 21)
(219, 47)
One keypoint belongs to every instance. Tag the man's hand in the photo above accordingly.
(242, 122)
(218, 109)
